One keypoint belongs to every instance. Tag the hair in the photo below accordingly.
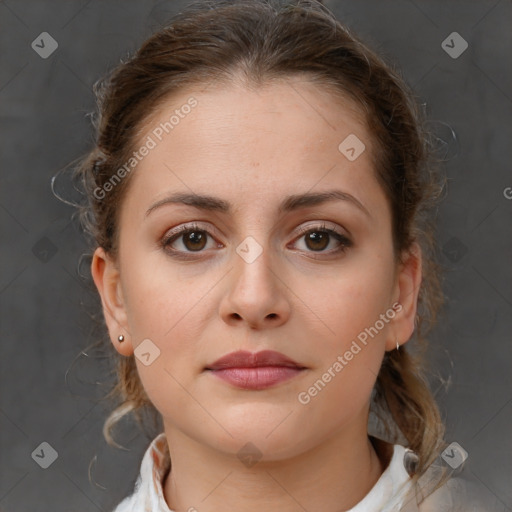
(257, 42)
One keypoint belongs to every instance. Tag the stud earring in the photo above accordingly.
(397, 345)
(120, 338)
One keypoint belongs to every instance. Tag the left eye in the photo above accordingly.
(317, 239)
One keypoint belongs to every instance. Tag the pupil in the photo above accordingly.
(319, 240)
(195, 241)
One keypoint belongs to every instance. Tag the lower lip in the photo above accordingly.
(257, 378)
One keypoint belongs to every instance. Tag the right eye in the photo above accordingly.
(189, 239)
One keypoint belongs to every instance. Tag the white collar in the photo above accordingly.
(388, 493)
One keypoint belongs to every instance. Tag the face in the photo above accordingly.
(265, 262)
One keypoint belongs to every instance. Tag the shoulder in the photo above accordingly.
(436, 490)
(454, 494)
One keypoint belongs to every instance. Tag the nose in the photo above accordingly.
(256, 295)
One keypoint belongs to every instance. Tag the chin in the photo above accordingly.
(274, 433)
(257, 447)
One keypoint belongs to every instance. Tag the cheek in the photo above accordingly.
(166, 317)
(350, 346)
(350, 308)
(159, 299)
(335, 400)
(164, 309)
(352, 299)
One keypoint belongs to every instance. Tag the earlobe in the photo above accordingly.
(407, 290)
(107, 280)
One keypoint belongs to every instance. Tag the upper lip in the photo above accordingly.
(244, 359)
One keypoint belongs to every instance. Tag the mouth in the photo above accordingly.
(255, 371)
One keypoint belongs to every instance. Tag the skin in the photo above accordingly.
(253, 148)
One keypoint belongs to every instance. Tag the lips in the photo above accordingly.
(255, 371)
(244, 359)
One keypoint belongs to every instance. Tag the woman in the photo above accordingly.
(259, 201)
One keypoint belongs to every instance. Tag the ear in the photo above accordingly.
(406, 293)
(107, 280)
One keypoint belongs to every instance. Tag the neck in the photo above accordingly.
(332, 476)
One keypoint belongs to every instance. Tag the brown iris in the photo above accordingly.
(194, 240)
(317, 240)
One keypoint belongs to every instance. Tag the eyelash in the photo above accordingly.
(167, 240)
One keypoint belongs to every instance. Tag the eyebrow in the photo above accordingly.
(290, 203)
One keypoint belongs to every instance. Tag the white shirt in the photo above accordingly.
(392, 492)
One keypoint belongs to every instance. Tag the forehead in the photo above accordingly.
(253, 143)
(227, 114)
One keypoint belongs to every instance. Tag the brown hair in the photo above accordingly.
(262, 40)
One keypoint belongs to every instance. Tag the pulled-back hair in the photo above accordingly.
(258, 41)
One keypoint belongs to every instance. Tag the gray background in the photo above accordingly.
(49, 391)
